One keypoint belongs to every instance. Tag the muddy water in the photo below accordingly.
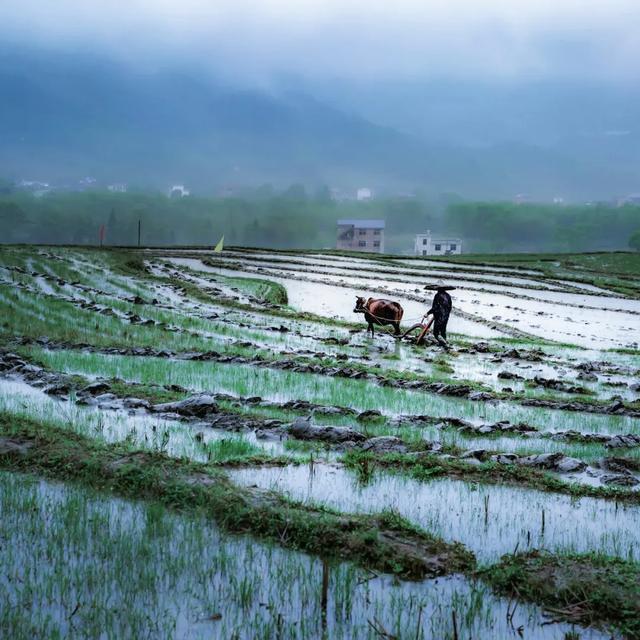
(587, 287)
(225, 289)
(594, 327)
(468, 266)
(481, 369)
(377, 268)
(326, 259)
(149, 431)
(77, 564)
(373, 277)
(185, 305)
(491, 520)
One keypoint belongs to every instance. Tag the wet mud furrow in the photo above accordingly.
(213, 394)
(185, 313)
(371, 541)
(499, 288)
(205, 411)
(501, 316)
(395, 273)
(457, 390)
(587, 371)
(501, 327)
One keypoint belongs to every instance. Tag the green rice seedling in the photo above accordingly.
(231, 448)
(482, 516)
(361, 395)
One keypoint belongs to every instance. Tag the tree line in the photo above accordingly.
(294, 219)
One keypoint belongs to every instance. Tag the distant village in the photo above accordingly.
(352, 234)
(40, 188)
(368, 235)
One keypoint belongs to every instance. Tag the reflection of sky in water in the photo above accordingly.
(134, 569)
(141, 429)
(245, 380)
(491, 520)
(377, 268)
(338, 302)
(557, 321)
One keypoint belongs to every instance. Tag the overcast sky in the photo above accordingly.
(364, 39)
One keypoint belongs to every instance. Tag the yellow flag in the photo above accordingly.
(220, 246)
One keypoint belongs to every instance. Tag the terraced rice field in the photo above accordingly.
(198, 445)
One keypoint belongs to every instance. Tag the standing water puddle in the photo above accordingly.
(336, 301)
(490, 520)
(512, 310)
(77, 564)
(362, 395)
(140, 429)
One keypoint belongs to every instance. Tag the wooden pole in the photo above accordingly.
(139, 229)
(324, 599)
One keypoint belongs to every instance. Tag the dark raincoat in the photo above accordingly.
(440, 309)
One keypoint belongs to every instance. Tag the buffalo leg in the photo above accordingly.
(396, 328)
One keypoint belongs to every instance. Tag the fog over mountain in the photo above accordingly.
(443, 98)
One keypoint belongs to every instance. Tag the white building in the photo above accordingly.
(363, 194)
(426, 245)
(178, 191)
(117, 187)
(32, 185)
(38, 189)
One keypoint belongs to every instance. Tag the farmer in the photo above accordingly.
(440, 310)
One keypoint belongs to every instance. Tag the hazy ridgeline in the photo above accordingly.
(295, 219)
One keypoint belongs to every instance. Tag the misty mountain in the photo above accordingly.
(582, 126)
(484, 111)
(64, 116)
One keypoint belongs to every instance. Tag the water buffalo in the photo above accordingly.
(380, 312)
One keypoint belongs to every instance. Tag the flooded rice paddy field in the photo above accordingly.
(244, 386)
(77, 564)
(359, 395)
(573, 318)
(491, 521)
(110, 422)
(211, 360)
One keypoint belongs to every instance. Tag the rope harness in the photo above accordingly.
(378, 320)
(373, 315)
